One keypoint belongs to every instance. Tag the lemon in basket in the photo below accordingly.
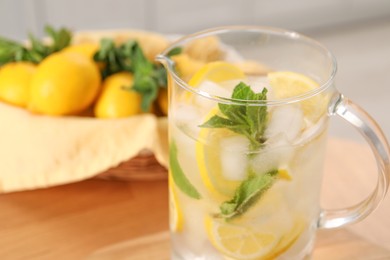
(15, 79)
(64, 84)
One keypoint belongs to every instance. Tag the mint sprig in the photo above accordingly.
(148, 77)
(11, 51)
(247, 118)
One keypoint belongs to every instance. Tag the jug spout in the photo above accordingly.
(164, 60)
(167, 62)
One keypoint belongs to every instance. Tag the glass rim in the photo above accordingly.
(288, 34)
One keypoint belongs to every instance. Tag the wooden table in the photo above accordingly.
(74, 221)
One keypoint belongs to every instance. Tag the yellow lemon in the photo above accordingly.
(162, 101)
(176, 219)
(64, 83)
(217, 72)
(15, 79)
(115, 101)
(87, 49)
(286, 84)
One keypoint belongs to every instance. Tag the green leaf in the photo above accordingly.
(220, 122)
(61, 38)
(13, 51)
(246, 118)
(178, 175)
(37, 46)
(249, 119)
(148, 89)
(174, 51)
(248, 193)
(160, 75)
(148, 77)
(257, 117)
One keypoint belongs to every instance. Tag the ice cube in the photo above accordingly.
(258, 83)
(311, 130)
(285, 124)
(187, 118)
(229, 85)
(185, 113)
(272, 158)
(209, 88)
(234, 159)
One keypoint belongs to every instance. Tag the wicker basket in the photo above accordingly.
(142, 167)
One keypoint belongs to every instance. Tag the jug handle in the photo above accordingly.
(372, 133)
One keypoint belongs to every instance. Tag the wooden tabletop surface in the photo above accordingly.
(73, 221)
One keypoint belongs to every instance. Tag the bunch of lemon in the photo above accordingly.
(67, 83)
(67, 80)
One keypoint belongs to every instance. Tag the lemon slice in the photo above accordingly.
(208, 153)
(286, 84)
(250, 241)
(217, 72)
(208, 157)
(239, 241)
(213, 73)
(176, 219)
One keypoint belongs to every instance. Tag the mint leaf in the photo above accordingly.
(257, 117)
(61, 38)
(247, 194)
(220, 122)
(175, 51)
(11, 51)
(246, 119)
(178, 175)
(148, 77)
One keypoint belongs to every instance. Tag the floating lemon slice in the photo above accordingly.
(214, 174)
(208, 156)
(176, 219)
(214, 72)
(286, 84)
(244, 241)
(217, 72)
(208, 153)
(239, 241)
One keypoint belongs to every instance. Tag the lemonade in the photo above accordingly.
(247, 136)
(244, 176)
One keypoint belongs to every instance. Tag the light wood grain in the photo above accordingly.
(71, 221)
(334, 245)
(343, 245)
(74, 221)
(350, 175)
